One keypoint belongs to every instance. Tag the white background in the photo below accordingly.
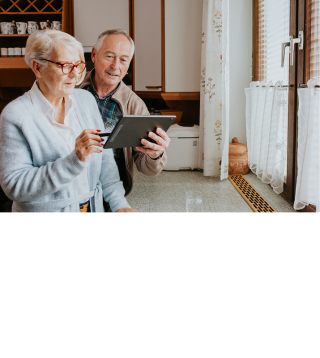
(138, 285)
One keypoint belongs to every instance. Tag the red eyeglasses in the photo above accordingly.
(67, 68)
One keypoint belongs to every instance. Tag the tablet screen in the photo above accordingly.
(132, 128)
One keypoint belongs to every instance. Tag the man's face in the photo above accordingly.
(113, 59)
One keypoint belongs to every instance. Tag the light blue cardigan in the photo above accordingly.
(39, 174)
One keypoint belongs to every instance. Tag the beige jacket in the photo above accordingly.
(130, 103)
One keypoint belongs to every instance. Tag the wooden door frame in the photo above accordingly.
(303, 66)
(296, 21)
(255, 41)
(289, 187)
(131, 34)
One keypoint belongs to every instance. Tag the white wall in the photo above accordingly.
(92, 17)
(240, 65)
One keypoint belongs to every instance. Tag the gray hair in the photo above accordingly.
(42, 43)
(101, 38)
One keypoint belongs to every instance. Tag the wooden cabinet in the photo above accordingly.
(14, 72)
(167, 34)
(92, 17)
(183, 38)
(147, 33)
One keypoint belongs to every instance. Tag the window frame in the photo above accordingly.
(294, 73)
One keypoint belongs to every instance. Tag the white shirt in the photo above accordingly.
(68, 132)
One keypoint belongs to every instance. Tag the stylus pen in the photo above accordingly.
(104, 134)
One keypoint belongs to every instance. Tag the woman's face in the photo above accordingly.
(57, 83)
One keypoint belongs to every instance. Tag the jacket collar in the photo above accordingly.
(121, 96)
(43, 105)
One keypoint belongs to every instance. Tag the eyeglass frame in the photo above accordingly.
(67, 63)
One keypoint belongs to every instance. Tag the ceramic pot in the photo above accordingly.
(10, 52)
(22, 27)
(4, 52)
(43, 25)
(32, 27)
(6, 28)
(238, 158)
(56, 25)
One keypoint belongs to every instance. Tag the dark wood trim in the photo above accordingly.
(163, 47)
(130, 18)
(132, 35)
(307, 43)
(181, 96)
(289, 189)
(143, 94)
(255, 41)
(299, 68)
(301, 73)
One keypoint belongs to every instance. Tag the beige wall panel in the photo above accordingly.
(183, 29)
(147, 37)
(92, 17)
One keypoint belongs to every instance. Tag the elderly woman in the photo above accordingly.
(51, 156)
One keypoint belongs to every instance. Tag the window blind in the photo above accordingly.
(313, 14)
(274, 29)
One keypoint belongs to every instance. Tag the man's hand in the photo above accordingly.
(126, 210)
(152, 149)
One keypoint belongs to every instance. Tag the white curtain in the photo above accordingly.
(266, 128)
(214, 91)
(308, 180)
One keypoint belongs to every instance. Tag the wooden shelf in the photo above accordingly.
(15, 35)
(15, 74)
(170, 96)
(31, 13)
(181, 96)
(7, 63)
(143, 94)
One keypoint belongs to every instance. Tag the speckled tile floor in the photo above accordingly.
(167, 193)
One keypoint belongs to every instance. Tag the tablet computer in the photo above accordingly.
(132, 128)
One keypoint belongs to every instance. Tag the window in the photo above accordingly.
(273, 29)
(313, 32)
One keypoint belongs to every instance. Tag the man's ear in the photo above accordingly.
(36, 68)
(93, 55)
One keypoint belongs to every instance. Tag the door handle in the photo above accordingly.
(293, 41)
(283, 50)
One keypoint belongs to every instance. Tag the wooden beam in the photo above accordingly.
(163, 47)
(142, 94)
(181, 96)
(12, 63)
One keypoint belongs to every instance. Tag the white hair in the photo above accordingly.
(101, 38)
(43, 43)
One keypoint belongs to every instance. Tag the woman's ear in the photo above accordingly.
(36, 68)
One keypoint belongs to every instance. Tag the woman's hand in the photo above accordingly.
(85, 144)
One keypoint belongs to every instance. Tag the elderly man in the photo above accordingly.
(111, 57)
